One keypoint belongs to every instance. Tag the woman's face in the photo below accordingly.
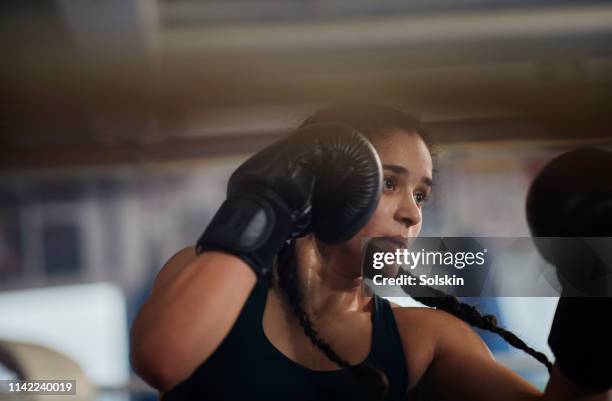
(407, 172)
(407, 181)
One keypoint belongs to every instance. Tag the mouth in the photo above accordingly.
(396, 242)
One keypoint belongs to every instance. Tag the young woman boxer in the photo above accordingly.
(268, 305)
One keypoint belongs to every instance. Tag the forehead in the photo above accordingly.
(405, 149)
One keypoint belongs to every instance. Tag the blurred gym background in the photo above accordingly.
(121, 121)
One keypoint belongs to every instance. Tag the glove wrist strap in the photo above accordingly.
(251, 227)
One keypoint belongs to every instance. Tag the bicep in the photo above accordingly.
(174, 266)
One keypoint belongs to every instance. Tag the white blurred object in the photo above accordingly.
(85, 322)
(530, 318)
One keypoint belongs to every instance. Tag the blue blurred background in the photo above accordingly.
(121, 121)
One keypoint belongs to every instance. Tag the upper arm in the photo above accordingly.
(173, 266)
(446, 353)
(463, 367)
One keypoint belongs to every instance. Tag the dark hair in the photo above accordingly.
(374, 121)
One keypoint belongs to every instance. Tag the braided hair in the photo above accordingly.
(374, 379)
(470, 314)
(377, 120)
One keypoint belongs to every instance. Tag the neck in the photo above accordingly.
(328, 286)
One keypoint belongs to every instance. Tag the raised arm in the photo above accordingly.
(199, 293)
(194, 303)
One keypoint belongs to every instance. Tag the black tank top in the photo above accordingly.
(246, 366)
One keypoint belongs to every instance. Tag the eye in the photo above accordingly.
(420, 198)
(389, 184)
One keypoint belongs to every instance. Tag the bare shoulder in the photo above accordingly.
(450, 360)
(428, 334)
(174, 265)
(448, 334)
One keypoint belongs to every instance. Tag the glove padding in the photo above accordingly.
(580, 339)
(325, 178)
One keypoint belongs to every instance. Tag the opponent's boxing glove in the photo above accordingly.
(572, 197)
(325, 178)
(580, 339)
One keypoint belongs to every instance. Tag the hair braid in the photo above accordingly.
(374, 379)
(470, 314)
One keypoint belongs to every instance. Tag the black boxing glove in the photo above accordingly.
(580, 339)
(572, 197)
(325, 178)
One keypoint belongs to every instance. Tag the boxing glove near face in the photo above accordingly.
(325, 178)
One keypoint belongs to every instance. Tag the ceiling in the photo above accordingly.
(131, 81)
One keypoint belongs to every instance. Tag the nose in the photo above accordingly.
(408, 212)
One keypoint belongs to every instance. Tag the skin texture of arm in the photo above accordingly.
(457, 365)
(194, 303)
